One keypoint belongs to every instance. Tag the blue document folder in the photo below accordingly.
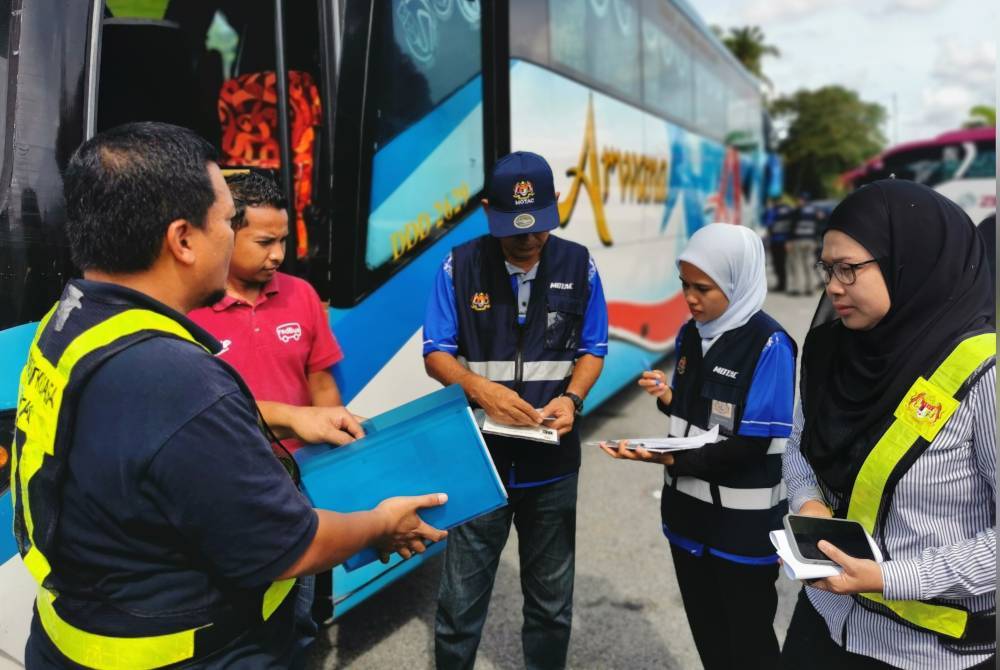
(429, 445)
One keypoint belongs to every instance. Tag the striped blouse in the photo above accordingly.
(940, 532)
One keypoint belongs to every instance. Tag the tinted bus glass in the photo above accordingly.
(984, 165)
(428, 135)
(598, 38)
(668, 85)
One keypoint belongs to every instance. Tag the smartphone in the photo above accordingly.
(806, 532)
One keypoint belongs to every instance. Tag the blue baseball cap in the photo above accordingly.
(522, 196)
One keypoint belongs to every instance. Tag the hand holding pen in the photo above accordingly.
(655, 384)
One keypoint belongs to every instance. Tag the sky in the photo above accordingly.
(936, 57)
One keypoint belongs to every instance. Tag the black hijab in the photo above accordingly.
(934, 265)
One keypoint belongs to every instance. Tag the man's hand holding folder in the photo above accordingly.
(393, 526)
(406, 532)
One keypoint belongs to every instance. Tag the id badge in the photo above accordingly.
(722, 415)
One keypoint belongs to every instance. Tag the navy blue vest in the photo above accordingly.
(80, 603)
(806, 223)
(732, 512)
(535, 359)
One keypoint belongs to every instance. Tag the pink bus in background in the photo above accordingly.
(960, 164)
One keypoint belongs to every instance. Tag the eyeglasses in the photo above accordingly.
(846, 273)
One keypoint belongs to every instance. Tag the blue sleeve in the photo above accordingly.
(441, 319)
(768, 411)
(594, 336)
(219, 485)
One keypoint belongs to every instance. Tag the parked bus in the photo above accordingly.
(961, 165)
(380, 120)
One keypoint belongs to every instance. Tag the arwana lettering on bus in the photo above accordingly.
(642, 179)
(420, 228)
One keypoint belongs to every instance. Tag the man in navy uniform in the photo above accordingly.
(149, 507)
(518, 318)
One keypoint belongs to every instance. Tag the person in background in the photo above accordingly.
(779, 228)
(802, 245)
(736, 371)
(274, 330)
(896, 429)
(518, 318)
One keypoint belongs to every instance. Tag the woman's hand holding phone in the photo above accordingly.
(860, 575)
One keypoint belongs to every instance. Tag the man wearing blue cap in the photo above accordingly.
(518, 318)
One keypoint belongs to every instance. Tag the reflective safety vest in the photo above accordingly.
(535, 359)
(69, 345)
(731, 512)
(921, 414)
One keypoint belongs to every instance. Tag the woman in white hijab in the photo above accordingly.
(735, 370)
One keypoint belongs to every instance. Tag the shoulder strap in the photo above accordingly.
(921, 414)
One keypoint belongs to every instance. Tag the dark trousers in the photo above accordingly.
(779, 257)
(545, 519)
(808, 645)
(322, 607)
(730, 608)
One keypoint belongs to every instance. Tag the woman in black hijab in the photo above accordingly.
(913, 460)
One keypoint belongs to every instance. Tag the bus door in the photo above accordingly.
(250, 76)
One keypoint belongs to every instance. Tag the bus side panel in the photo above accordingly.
(633, 188)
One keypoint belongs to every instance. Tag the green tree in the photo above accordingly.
(749, 46)
(981, 116)
(829, 131)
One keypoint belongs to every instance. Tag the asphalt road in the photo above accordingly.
(627, 609)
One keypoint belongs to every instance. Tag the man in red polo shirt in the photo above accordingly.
(275, 332)
(272, 326)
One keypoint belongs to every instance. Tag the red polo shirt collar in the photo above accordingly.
(270, 288)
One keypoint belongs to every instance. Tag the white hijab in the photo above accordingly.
(733, 256)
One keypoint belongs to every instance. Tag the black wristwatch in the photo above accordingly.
(577, 400)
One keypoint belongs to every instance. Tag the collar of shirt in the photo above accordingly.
(116, 294)
(521, 283)
(270, 288)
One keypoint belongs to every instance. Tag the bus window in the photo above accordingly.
(427, 134)
(668, 83)
(209, 65)
(984, 165)
(710, 97)
(600, 39)
(924, 165)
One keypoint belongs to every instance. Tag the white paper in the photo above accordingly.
(666, 444)
(538, 434)
(796, 569)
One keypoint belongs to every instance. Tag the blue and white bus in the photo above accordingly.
(380, 120)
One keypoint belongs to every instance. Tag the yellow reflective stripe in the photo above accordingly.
(866, 496)
(112, 653)
(120, 325)
(15, 482)
(949, 621)
(275, 595)
(869, 486)
(963, 361)
(40, 400)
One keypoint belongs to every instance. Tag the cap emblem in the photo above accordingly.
(524, 193)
